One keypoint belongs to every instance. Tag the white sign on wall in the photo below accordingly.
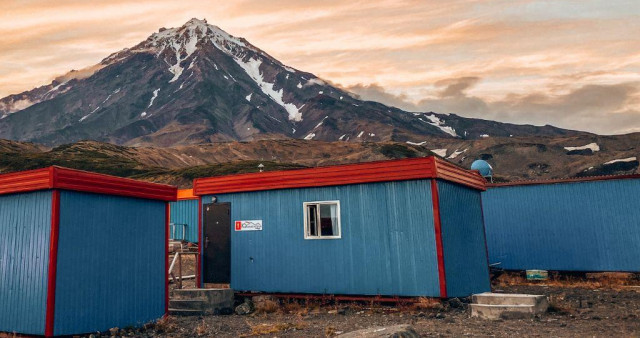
(249, 225)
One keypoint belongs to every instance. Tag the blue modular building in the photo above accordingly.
(81, 252)
(583, 224)
(410, 227)
(184, 217)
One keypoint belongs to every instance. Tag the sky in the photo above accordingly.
(570, 63)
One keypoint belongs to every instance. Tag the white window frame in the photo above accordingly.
(306, 220)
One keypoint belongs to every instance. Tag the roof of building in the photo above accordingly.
(77, 180)
(564, 180)
(186, 194)
(369, 172)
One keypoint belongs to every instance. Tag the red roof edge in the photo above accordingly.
(78, 180)
(565, 180)
(367, 172)
(451, 172)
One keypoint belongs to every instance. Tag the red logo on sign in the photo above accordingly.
(238, 225)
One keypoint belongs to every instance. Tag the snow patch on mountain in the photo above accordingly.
(252, 68)
(319, 124)
(249, 97)
(628, 159)
(155, 95)
(440, 152)
(310, 136)
(437, 122)
(456, 153)
(593, 146)
(85, 117)
(416, 143)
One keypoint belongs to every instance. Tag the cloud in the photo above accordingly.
(456, 87)
(604, 109)
(516, 60)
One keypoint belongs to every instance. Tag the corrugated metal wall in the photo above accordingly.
(185, 212)
(463, 241)
(387, 245)
(111, 269)
(25, 226)
(586, 226)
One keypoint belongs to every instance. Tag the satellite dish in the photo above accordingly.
(485, 169)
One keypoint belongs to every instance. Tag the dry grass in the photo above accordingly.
(425, 303)
(613, 280)
(267, 306)
(165, 325)
(294, 307)
(330, 331)
(269, 329)
(202, 328)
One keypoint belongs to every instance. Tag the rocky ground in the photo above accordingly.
(578, 307)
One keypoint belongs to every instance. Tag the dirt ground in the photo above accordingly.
(578, 307)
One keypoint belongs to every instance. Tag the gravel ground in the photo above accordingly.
(578, 308)
(574, 312)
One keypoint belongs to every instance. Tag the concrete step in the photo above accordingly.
(488, 298)
(210, 294)
(189, 304)
(205, 301)
(185, 312)
(486, 311)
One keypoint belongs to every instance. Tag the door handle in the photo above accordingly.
(206, 242)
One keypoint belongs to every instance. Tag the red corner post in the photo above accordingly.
(199, 258)
(438, 231)
(53, 263)
(167, 217)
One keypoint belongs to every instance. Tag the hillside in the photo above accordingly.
(512, 158)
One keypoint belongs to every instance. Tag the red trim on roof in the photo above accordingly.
(53, 264)
(450, 172)
(78, 180)
(369, 172)
(565, 180)
(435, 199)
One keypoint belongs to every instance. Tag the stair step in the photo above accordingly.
(489, 298)
(190, 304)
(214, 295)
(185, 312)
(491, 311)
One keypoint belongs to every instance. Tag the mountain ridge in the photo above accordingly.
(198, 84)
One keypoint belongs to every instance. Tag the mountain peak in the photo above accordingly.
(196, 84)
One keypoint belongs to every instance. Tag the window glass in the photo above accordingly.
(312, 216)
(329, 219)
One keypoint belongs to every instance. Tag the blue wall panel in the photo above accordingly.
(111, 262)
(463, 241)
(185, 212)
(25, 226)
(387, 245)
(586, 226)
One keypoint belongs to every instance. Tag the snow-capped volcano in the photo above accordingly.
(198, 84)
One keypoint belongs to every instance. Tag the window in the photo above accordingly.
(322, 220)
